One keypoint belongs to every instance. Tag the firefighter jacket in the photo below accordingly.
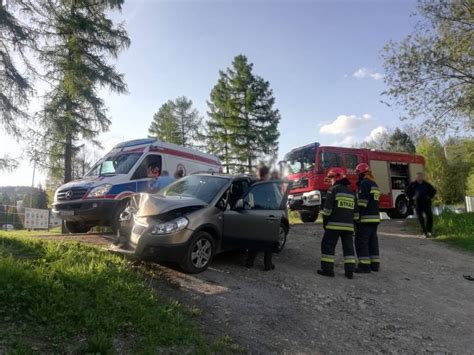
(368, 201)
(340, 208)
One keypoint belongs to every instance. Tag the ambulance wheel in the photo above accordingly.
(115, 224)
(308, 216)
(77, 227)
(401, 210)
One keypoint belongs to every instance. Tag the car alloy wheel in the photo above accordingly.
(201, 253)
(282, 237)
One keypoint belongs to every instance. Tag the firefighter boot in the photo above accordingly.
(375, 267)
(349, 274)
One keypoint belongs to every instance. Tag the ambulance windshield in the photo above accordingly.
(115, 164)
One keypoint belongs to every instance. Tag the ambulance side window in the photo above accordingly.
(140, 173)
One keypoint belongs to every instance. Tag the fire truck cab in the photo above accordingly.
(308, 166)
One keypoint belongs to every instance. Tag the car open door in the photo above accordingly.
(255, 220)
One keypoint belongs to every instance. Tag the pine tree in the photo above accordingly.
(165, 125)
(15, 84)
(80, 39)
(177, 122)
(399, 141)
(243, 125)
(188, 120)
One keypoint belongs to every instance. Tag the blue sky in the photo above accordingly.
(322, 59)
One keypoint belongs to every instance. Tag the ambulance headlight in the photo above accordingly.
(99, 191)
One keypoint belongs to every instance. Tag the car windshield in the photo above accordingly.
(204, 188)
(115, 164)
(301, 161)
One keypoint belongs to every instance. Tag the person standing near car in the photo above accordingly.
(263, 174)
(339, 212)
(421, 193)
(163, 180)
(366, 239)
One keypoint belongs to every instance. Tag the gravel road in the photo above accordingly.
(418, 303)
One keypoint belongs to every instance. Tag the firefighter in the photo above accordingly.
(366, 239)
(339, 211)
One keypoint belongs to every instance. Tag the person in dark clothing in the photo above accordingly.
(366, 239)
(263, 175)
(421, 193)
(339, 212)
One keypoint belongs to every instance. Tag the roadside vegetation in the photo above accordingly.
(74, 298)
(455, 229)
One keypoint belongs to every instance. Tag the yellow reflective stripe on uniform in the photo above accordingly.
(369, 220)
(339, 228)
(340, 195)
(375, 261)
(362, 203)
(326, 212)
(356, 216)
(365, 262)
(327, 260)
(344, 198)
(349, 261)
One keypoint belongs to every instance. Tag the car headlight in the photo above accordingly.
(99, 191)
(171, 226)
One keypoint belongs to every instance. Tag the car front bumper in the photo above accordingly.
(86, 210)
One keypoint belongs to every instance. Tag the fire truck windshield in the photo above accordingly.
(300, 162)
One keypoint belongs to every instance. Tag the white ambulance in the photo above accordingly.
(100, 196)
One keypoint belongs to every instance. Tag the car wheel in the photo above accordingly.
(115, 223)
(77, 227)
(282, 237)
(199, 254)
(308, 216)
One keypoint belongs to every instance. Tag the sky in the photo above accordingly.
(322, 59)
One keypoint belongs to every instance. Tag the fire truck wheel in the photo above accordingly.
(401, 210)
(308, 216)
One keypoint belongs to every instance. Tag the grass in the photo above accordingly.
(455, 229)
(66, 297)
(294, 218)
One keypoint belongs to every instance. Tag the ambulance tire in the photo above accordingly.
(115, 223)
(77, 227)
(401, 210)
(308, 216)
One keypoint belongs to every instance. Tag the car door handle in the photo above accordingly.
(272, 218)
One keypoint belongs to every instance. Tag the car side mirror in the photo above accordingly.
(239, 205)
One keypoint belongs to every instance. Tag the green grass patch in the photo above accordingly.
(66, 297)
(455, 229)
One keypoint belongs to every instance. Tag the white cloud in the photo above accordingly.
(348, 141)
(362, 73)
(345, 124)
(376, 133)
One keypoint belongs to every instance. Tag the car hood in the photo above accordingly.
(153, 205)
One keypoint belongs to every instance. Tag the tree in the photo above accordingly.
(165, 125)
(394, 141)
(15, 81)
(80, 40)
(176, 122)
(243, 125)
(400, 141)
(431, 72)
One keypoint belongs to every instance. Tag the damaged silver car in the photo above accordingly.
(194, 218)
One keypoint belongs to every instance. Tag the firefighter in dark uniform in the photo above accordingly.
(366, 239)
(339, 212)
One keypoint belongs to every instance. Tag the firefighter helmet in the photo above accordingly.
(362, 168)
(337, 173)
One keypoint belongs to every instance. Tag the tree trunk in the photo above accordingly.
(68, 159)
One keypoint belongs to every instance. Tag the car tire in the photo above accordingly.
(199, 254)
(282, 237)
(77, 227)
(308, 216)
(401, 210)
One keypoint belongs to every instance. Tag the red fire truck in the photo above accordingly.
(308, 166)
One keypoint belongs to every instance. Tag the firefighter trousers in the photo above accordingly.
(328, 249)
(367, 246)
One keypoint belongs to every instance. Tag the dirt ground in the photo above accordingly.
(418, 303)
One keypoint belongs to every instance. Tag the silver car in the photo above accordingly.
(194, 218)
